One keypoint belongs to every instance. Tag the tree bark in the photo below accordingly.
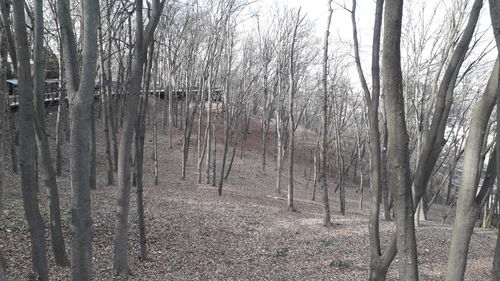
(468, 205)
(227, 111)
(398, 162)
(93, 147)
(324, 141)
(143, 40)
(379, 263)
(495, 21)
(62, 115)
(4, 106)
(291, 125)
(42, 141)
(80, 84)
(140, 131)
(280, 152)
(27, 145)
(208, 133)
(106, 86)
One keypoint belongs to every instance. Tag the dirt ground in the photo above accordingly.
(246, 234)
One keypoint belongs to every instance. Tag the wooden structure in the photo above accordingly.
(51, 92)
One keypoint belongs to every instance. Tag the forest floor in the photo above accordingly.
(247, 234)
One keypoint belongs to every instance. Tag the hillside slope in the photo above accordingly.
(193, 234)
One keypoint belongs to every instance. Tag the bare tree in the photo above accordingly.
(432, 143)
(378, 263)
(80, 85)
(495, 21)
(324, 142)
(398, 160)
(291, 99)
(106, 90)
(27, 144)
(42, 140)
(144, 37)
(469, 199)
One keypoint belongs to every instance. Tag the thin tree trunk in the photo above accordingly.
(106, 86)
(209, 135)
(315, 180)
(379, 263)
(143, 40)
(214, 158)
(155, 129)
(361, 190)
(188, 128)
(291, 125)
(279, 143)
(42, 141)
(62, 115)
(324, 141)
(227, 113)
(235, 144)
(172, 95)
(4, 106)
(140, 130)
(13, 140)
(27, 145)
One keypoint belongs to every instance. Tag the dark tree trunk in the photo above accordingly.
(397, 150)
(27, 145)
(80, 83)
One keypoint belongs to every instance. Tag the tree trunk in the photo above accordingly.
(143, 40)
(214, 158)
(80, 84)
(398, 162)
(200, 139)
(188, 128)
(42, 141)
(172, 95)
(107, 136)
(433, 141)
(495, 20)
(27, 145)
(140, 131)
(324, 141)
(496, 258)
(235, 144)
(106, 92)
(208, 134)
(155, 128)
(468, 206)
(4, 106)
(315, 180)
(13, 141)
(93, 148)
(62, 116)
(379, 264)
(227, 112)
(291, 122)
